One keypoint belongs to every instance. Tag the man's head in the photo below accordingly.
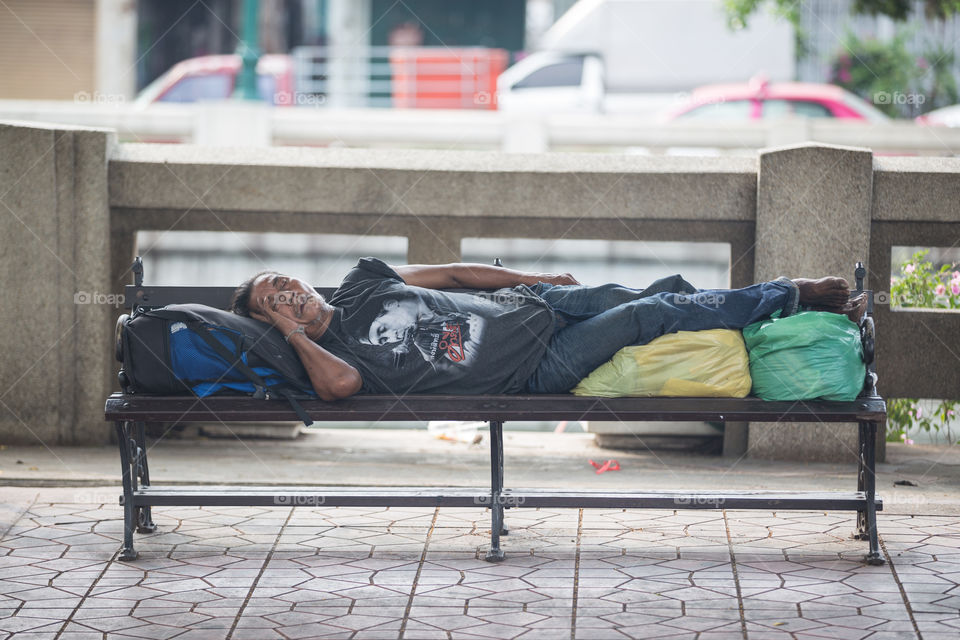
(286, 295)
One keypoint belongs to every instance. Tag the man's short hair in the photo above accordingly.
(240, 303)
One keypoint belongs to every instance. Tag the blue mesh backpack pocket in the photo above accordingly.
(199, 366)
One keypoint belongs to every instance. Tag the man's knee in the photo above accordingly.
(670, 284)
(679, 285)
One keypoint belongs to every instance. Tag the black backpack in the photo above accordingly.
(193, 348)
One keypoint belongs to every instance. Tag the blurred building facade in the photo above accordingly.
(59, 49)
(110, 49)
(47, 48)
(172, 30)
(67, 49)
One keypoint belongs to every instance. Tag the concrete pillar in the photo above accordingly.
(348, 34)
(116, 73)
(437, 241)
(813, 220)
(58, 311)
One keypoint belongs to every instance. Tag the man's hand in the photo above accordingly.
(331, 377)
(555, 278)
(284, 324)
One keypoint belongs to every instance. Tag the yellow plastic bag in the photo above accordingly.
(711, 363)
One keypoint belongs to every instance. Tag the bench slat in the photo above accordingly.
(478, 497)
(497, 407)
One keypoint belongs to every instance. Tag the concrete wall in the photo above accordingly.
(801, 211)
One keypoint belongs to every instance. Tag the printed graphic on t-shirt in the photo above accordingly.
(408, 328)
(409, 339)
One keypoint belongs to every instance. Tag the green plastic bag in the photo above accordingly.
(811, 354)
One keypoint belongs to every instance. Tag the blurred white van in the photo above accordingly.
(635, 56)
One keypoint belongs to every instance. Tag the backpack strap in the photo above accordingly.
(262, 388)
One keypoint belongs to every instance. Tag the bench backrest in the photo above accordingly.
(151, 297)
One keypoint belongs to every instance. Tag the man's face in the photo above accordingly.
(393, 323)
(288, 296)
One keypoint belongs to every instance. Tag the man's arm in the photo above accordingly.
(471, 275)
(331, 377)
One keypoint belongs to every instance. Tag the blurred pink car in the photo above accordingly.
(757, 99)
(214, 78)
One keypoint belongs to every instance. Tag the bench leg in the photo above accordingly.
(502, 504)
(495, 554)
(144, 516)
(868, 445)
(127, 552)
(862, 532)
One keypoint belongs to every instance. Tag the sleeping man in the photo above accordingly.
(400, 329)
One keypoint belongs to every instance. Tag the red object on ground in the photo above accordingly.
(609, 465)
(424, 78)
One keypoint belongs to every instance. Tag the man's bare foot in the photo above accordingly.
(829, 292)
(854, 308)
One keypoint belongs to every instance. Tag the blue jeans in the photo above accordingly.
(596, 322)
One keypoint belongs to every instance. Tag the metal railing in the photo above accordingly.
(466, 129)
(405, 77)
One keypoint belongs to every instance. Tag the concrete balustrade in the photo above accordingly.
(73, 201)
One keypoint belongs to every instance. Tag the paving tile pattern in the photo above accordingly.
(263, 573)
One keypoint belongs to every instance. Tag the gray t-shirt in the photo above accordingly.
(405, 339)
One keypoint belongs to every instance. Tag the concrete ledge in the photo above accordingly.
(916, 189)
(432, 183)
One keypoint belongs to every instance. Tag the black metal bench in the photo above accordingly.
(131, 412)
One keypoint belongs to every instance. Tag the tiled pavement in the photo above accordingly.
(252, 573)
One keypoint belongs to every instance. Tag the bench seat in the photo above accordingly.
(488, 407)
(130, 412)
